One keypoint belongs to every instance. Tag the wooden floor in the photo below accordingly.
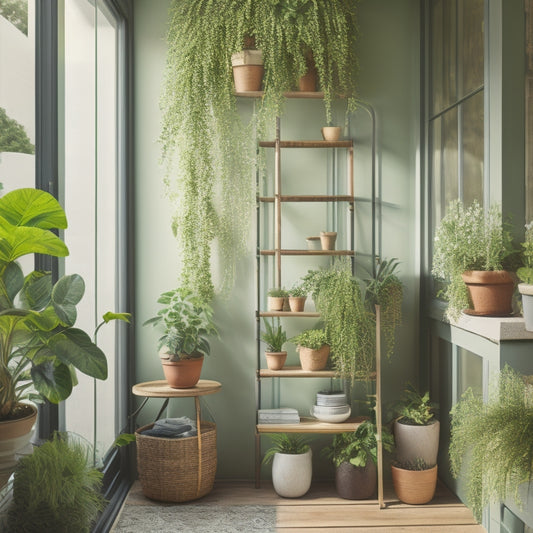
(321, 510)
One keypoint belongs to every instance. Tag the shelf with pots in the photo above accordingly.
(312, 425)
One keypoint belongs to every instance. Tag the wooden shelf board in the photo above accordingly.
(309, 198)
(290, 94)
(308, 252)
(288, 314)
(161, 389)
(312, 425)
(296, 372)
(307, 144)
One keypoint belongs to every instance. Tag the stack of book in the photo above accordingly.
(283, 415)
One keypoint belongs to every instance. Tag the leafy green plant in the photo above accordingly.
(277, 292)
(418, 465)
(492, 443)
(349, 326)
(525, 273)
(187, 321)
(386, 290)
(468, 238)
(274, 337)
(13, 136)
(39, 345)
(298, 291)
(358, 447)
(210, 154)
(56, 488)
(285, 443)
(311, 338)
(415, 409)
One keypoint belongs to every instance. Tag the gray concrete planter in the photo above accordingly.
(417, 442)
(526, 291)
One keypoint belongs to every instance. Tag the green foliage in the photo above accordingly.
(56, 490)
(13, 136)
(359, 446)
(311, 338)
(418, 464)
(492, 444)
(39, 345)
(275, 337)
(386, 290)
(187, 321)
(210, 154)
(415, 409)
(525, 273)
(349, 326)
(277, 292)
(298, 291)
(16, 11)
(468, 239)
(285, 443)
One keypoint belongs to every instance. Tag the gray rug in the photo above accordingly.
(199, 518)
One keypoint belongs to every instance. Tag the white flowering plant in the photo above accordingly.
(468, 238)
(525, 273)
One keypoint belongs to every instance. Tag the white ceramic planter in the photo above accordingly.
(417, 442)
(291, 474)
(526, 291)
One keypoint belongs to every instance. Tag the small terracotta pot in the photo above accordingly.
(312, 360)
(313, 243)
(356, 482)
(491, 292)
(331, 133)
(275, 303)
(247, 70)
(275, 360)
(327, 239)
(297, 303)
(414, 486)
(183, 374)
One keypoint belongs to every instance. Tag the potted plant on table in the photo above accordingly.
(414, 481)
(40, 347)
(470, 250)
(292, 468)
(313, 347)
(491, 445)
(416, 430)
(275, 337)
(355, 456)
(187, 321)
(525, 274)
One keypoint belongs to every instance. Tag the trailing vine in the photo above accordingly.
(208, 151)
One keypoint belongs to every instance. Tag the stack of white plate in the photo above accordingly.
(331, 407)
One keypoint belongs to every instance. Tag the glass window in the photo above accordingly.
(89, 188)
(472, 45)
(473, 148)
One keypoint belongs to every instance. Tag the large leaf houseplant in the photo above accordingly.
(209, 152)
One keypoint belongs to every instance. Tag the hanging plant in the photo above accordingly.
(209, 153)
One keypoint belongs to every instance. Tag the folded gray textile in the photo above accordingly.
(172, 428)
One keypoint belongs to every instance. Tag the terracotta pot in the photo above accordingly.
(313, 243)
(275, 303)
(15, 438)
(247, 70)
(286, 305)
(308, 81)
(356, 482)
(297, 303)
(417, 442)
(183, 374)
(327, 239)
(312, 360)
(414, 486)
(491, 292)
(331, 133)
(275, 360)
(526, 291)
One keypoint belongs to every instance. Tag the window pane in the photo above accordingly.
(435, 143)
(472, 45)
(473, 150)
(469, 372)
(450, 156)
(17, 94)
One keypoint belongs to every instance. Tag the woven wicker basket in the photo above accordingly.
(169, 469)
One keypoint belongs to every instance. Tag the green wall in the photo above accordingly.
(390, 82)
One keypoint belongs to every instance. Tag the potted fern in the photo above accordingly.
(292, 468)
(470, 249)
(491, 445)
(525, 274)
(274, 337)
(313, 347)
